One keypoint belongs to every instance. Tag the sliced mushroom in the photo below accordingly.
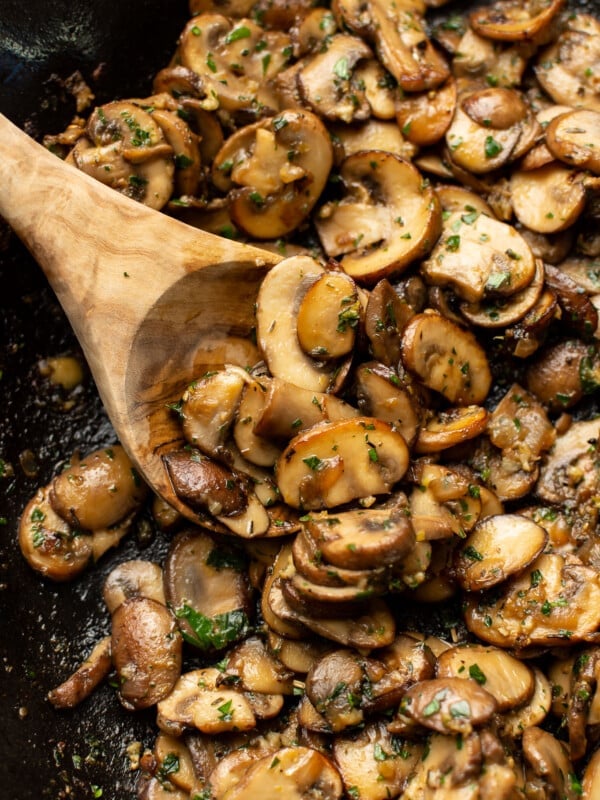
(362, 538)
(313, 29)
(256, 449)
(447, 359)
(449, 767)
(386, 316)
(443, 504)
(448, 428)
(278, 615)
(174, 763)
(574, 138)
(459, 199)
(568, 473)
(383, 394)
(584, 271)
(328, 317)
(186, 151)
(549, 761)
(136, 578)
(508, 680)
(373, 134)
(501, 262)
(579, 311)
(389, 217)
(334, 463)
(146, 651)
(315, 599)
(558, 596)
(328, 82)
(547, 199)
(497, 548)
(478, 57)
(534, 712)
(512, 22)
(449, 705)
(98, 490)
(86, 677)
(375, 762)
(379, 87)
(555, 377)
(591, 776)
(279, 298)
(281, 164)
(373, 628)
(334, 686)
(298, 656)
(425, 118)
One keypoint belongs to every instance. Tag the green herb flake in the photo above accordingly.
(236, 34)
(226, 711)
(453, 243)
(341, 69)
(492, 147)
(472, 553)
(477, 675)
(313, 462)
(213, 633)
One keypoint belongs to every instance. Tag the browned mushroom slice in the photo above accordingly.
(254, 448)
(579, 311)
(311, 32)
(328, 83)
(407, 660)
(174, 765)
(49, 544)
(234, 759)
(335, 685)
(98, 490)
(206, 587)
(197, 701)
(383, 394)
(374, 762)
(328, 316)
(443, 504)
(185, 147)
(281, 165)
(568, 473)
(501, 261)
(447, 359)
(403, 47)
(448, 428)
(575, 138)
(207, 486)
(497, 548)
(547, 199)
(548, 759)
(146, 651)
(527, 335)
(380, 89)
(386, 316)
(289, 409)
(373, 628)
(558, 596)
(234, 67)
(555, 377)
(297, 772)
(152, 788)
(425, 118)
(510, 681)
(499, 312)
(568, 68)
(373, 134)
(446, 769)
(334, 463)
(256, 669)
(362, 538)
(279, 298)
(449, 705)
(275, 609)
(584, 271)
(134, 578)
(459, 199)
(127, 151)
(298, 656)
(533, 712)
(509, 21)
(388, 218)
(591, 776)
(315, 599)
(86, 677)
(478, 57)
(208, 408)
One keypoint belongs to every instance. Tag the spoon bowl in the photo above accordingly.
(153, 301)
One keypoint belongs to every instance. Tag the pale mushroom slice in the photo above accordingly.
(591, 776)
(445, 429)
(274, 171)
(329, 83)
(447, 770)
(459, 199)
(424, 118)
(86, 677)
(388, 218)
(383, 394)
(152, 788)
(374, 134)
(374, 761)
(548, 199)
(132, 579)
(500, 312)
(279, 617)
(448, 705)
(257, 669)
(311, 32)
(500, 260)
(174, 762)
(509, 680)
(533, 712)
(558, 596)
(548, 759)
(328, 317)
(362, 538)
(254, 448)
(443, 504)
(380, 89)
(447, 359)
(297, 772)
(146, 651)
(315, 599)
(288, 409)
(207, 590)
(403, 47)
(186, 150)
(386, 316)
(568, 473)
(585, 271)
(568, 68)
(335, 463)
(497, 548)
(479, 58)
(510, 21)
(574, 138)
(279, 298)
(208, 408)
(234, 67)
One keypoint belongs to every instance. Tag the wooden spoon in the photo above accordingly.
(149, 298)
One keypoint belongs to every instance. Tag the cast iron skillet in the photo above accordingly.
(46, 630)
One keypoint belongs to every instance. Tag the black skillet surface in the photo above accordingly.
(47, 629)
